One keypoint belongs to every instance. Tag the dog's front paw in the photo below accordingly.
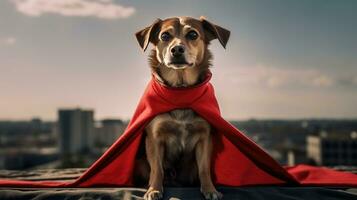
(212, 195)
(152, 194)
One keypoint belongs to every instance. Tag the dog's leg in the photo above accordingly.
(203, 158)
(155, 156)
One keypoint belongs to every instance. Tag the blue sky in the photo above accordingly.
(285, 58)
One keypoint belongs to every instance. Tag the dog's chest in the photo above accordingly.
(179, 130)
(183, 116)
(184, 124)
(187, 129)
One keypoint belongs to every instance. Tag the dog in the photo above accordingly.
(178, 144)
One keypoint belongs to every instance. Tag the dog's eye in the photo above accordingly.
(165, 36)
(192, 35)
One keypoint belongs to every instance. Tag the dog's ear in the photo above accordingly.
(147, 34)
(214, 31)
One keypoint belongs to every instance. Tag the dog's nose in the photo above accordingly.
(177, 50)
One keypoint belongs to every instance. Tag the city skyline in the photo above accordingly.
(284, 59)
(104, 118)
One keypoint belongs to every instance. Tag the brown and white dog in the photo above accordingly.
(178, 143)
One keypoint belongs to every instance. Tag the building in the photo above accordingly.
(26, 157)
(109, 131)
(76, 131)
(333, 149)
(296, 156)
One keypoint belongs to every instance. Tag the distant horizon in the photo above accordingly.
(228, 119)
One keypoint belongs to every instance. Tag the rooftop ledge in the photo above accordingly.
(250, 193)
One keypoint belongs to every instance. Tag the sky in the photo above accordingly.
(285, 59)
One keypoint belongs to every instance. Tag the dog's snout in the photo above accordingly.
(177, 50)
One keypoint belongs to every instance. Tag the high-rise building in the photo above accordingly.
(76, 129)
(109, 132)
(333, 149)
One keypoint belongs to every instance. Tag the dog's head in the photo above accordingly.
(181, 42)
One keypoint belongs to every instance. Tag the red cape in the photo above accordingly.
(236, 160)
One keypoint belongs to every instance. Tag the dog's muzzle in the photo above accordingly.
(178, 57)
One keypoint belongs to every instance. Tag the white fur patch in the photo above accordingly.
(187, 27)
(157, 55)
(182, 20)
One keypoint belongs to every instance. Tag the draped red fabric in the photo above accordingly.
(236, 160)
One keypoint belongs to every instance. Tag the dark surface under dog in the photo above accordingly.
(251, 193)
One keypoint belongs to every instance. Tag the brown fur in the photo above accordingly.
(180, 78)
(178, 144)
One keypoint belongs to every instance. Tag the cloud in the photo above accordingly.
(275, 81)
(8, 41)
(348, 80)
(323, 81)
(288, 77)
(104, 9)
(273, 77)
